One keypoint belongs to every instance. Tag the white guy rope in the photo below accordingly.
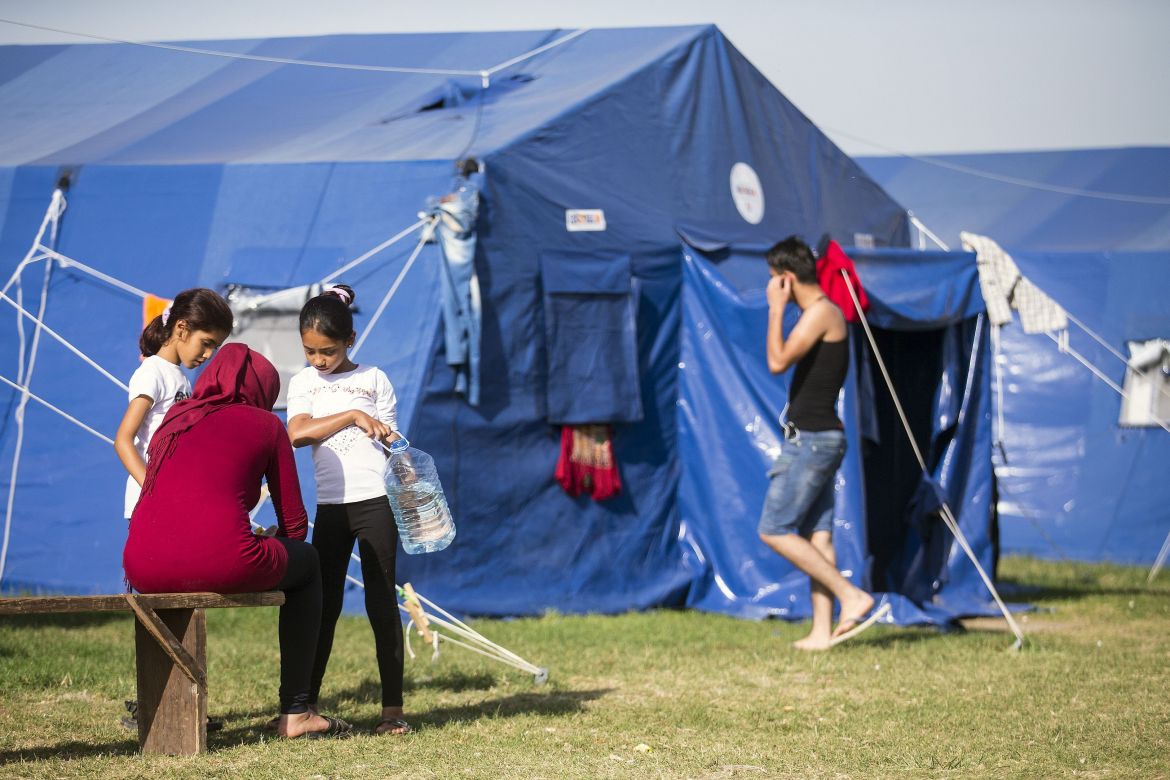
(1160, 560)
(26, 380)
(1095, 337)
(947, 515)
(923, 230)
(69, 262)
(63, 341)
(539, 50)
(52, 408)
(1019, 182)
(427, 231)
(483, 73)
(384, 245)
(57, 205)
(1063, 345)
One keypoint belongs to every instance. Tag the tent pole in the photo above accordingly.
(947, 514)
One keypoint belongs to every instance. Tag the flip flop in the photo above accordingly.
(338, 729)
(392, 723)
(874, 617)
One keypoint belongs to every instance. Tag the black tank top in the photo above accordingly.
(812, 398)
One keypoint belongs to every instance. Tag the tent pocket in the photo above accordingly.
(591, 339)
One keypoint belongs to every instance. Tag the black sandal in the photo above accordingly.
(392, 723)
(338, 729)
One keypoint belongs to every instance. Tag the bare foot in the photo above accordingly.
(812, 643)
(301, 723)
(853, 611)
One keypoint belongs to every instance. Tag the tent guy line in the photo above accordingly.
(1153, 200)
(484, 73)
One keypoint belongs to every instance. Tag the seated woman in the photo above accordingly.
(190, 531)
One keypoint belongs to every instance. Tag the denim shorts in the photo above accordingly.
(800, 490)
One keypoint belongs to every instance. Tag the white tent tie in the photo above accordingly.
(426, 235)
(367, 255)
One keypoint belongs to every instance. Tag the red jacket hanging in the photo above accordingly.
(587, 464)
(829, 277)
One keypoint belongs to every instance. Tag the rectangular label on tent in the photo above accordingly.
(584, 219)
(863, 240)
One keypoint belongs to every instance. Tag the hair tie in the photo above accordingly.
(340, 292)
(166, 315)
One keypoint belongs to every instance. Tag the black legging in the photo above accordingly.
(371, 523)
(300, 622)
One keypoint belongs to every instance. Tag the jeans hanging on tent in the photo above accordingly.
(459, 287)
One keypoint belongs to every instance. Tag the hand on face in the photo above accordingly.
(779, 290)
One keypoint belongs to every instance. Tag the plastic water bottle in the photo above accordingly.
(416, 496)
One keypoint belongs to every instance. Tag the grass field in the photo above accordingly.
(661, 694)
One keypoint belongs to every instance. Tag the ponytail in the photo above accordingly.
(154, 335)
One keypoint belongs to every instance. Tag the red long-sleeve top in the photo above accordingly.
(192, 533)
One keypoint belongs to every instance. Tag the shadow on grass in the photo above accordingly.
(1070, 591)
(550, 703)
(67, 750)
(66, 620)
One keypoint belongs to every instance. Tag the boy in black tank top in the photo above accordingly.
(797, 518)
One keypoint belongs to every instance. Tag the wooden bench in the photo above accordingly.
(170, 647)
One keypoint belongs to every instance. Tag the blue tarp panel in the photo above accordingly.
(1073, 482)
(1030, 200)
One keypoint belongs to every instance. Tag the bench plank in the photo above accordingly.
(40, 605)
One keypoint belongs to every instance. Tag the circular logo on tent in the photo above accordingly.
(747, 193)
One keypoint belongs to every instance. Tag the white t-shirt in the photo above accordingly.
(348, 465)
(164, 383)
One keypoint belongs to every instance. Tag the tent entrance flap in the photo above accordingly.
(892, 475)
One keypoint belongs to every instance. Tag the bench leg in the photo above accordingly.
(172, 709)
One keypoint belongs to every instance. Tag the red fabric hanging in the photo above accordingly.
(587, 464)
(829, 269)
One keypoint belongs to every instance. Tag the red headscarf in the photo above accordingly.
(236, 375)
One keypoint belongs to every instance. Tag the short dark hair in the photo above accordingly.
(199, 307)
(792, 254)
(329, 314)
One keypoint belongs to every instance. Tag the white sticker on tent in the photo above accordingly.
(577, 220)
(747, 193)
(863, 240)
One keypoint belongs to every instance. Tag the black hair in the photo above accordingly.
(200, 308)
(329, 314)
(792, 254)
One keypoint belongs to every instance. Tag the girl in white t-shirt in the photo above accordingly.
(187, 334)
(343, 410)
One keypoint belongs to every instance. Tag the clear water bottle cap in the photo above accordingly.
(399, 446)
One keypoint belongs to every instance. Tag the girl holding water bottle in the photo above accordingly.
(344, 410)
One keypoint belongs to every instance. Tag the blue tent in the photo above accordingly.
(189, 168)
(1074, 200)
(1091, 228)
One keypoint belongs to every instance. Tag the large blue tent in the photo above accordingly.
(189, 168)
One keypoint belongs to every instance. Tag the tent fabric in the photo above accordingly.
(191, 170)
(1074, 483)
(1072, 200)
